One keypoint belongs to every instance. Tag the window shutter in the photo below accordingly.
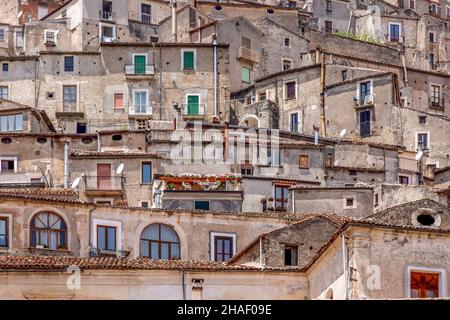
(245, 75)
(118, 100)
(188, 60)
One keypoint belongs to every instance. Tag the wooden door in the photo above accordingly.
(139, 64)
(104, 176)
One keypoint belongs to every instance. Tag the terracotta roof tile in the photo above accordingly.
(80, 154)
(356, 168)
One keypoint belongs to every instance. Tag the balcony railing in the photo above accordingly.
(107, 15)
(139, 70)
(97, 252)
(70, 107)
(406, 164)
(108, 38)
(193, 109)
(110, 183)
(436, 102)
(367, 99)
(22, 178)
(140, 110)
(141, 17)
(247, 54)
(272, 204)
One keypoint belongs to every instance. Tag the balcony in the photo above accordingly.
(275, 204)
(97, 252)
(249, 55)
(22, 179)
(67, 108)
(365, 100)
(107, 39)
(193, 110)
(139, 110)
(201, 183)
(141, 17)
(409, 165)
(436, 103)
(139, 71)
(107, 16)
(104, 185)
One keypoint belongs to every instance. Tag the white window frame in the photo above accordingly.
(55, 33)
(152, 173)
(214, 234)
(285, 90)
(108, 223)
(354, 206)
(10, 158)
(417, 139)
(399, 31)
(442, 279)
(133, 97)
(9, 91)
(114, 30)
(10, 231)
(358, 88)
(182, 58)
(298, 121)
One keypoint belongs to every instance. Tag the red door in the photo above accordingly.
(103, 176)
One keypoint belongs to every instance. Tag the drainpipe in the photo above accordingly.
(99, 147)
(344, 261)
(66, 164)
(322, 95)
(261, 259)
(293, 201)
(182, 284)
(216, 107)
(90, 225)
(174, 21)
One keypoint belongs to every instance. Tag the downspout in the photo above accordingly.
(322, 95)
(261, 258)
(293, 201)
(402, 57)
(344, 260)
(90, 225)
(216, 106)
(35, 83)
(99, 146)
(349, 21)
(160, 83)
(183, 274)
(66, 164)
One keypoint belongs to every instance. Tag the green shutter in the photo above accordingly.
(192, 105)
(245, 75)
(188, 60)
(139, 64)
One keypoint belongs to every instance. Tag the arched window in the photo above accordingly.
(159, 241)
(48, 230)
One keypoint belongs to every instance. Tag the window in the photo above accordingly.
(49, 231)
(401, 4)
(273, 157)
(349, 203)
(290, 255)
(403, 180)
(118, 101)
(223, 247)
(245, 74)
(281, 197)
(153, 39)
(376, 202)
(106, 237)
(448, 12)
(107, 10)
(246, 169)
(294, 122)
(329, 7)
(422, 141)
(352, 172)
(146, 172)
(365, 89)
(262, 96)
(42, 11)
(365, 123)
(431, 37)
(344, 75)
(81, 128)
(5, 67)
(159, 241)
(303, 161)
(394, 32)
(290, 89)
(2, 35)
(70, 98)
(286, 65)
(188, 59)
(19, 38)
(140, 101)
(435, 96)
(4, 92)
(108, 33)
(68, 64)
(201, 205)
(424, 284)
(146, 13)
(12, 122)
(193, 104)
(50, 37)
(422, 119)
(412, 4)
(328, 26)
(434, 8)
(144, 204)
(287, 42)
(432, 61)
(4, 232)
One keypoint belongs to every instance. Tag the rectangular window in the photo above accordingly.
(262, 96)
(245, 74)
(422, 141)
(287, 42)
(303, 161)
(5, 67)
(329, 6)
(403, 180)
(365, 123)
(364, 92)
(401, 4)
(4, 94)
(69, 64)
(2, 35)
(412, 4)
(432, 61)
(12, 122)
(349, 203)
(294, 122)
(8, 165)
(108, 33)
(146, 13)
(424, 284)
(435, 96)
(286, 65)
(70, 98)
(118, 101)
(3, 232)
(146, 172)
(290, 255)
(290, 90)
(223, 248)
(431, 37)
(106, 238)
(281, 197)
(448, 12)
(50, 37)
(144, 204)
(344, 75)
(188, 60)
(376, 202)
(328, 26)
(246, 169)
(81, 128)
(140, 101)
(422, 119)
(353, 172)
(201, 205)
(193, 104)
(394, 32)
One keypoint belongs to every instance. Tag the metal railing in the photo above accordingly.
(436, 102)
(406, 164)
(70, 107)
(140, 16)
(193, 109)
(247, 54)
(21, 178)
(139, 70)
(367, 99)
(139, 109)
(108, 38)
(104, 182)
(107, 15)
(97, 252)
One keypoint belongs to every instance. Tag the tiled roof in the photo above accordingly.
(356, 168)
(112, 154)
(45, 194)
(6, 105)
(53, 263)
(298, 187)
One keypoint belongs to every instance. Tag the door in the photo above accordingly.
(146, 13)
(103, 176)
(294, 122)
(139, 64)
(364, 123)
(192, 102)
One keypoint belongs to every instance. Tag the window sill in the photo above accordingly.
(288, 99)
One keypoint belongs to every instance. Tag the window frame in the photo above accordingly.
(9, 159)
(291, 123)
(3, 87)
(212, 242)
(3, 67)
(308, 166)
(353, 206)
(147, 105)
(15, 115)
(208, 201)
(417, 139)
(401, 176)
(291, 247)
(7, 219)
(285, 89)
(114, 101)
(288, 42)
(159, 242)
(399, 31)
(49, 230)
(73, 64)
(3, 35)
(442, 278)
(242, 74)
(326, 24)
(55, 36)
(107, 237)
(142, 172)
(109, 223)
(284, 200)
(194, 59)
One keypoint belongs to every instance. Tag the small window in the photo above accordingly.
(144, 204)
(294, 122)
(394, 32)
(146, 172)
(290, 255)
(106, 238)
(108, 33)
(328, 26)
(201, 205)
(50, 95)
(262, 96)
(5, 67)
(118, 101)
(303, 161)
(329, 7)
(223, 248)
(376, 199)
(412, 4)
(87, 140)
(81, 128)
(287, 42)
(422, 119)
(50, 37)
(245, 74)
(290, 90)
(41, 140)
(403, 180)
(349, 202)
(3, 232)
(153, 39)
(12, 122)
(422, 141)
(116, 137)
(6, 140)
(68, 64)
(286, 65)
(188, 60)
(431, 37)
(344, 75)
(425, 219)
(352, 172)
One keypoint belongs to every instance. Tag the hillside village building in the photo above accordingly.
(161, 148)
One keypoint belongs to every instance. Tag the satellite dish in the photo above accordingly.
(419, 155)
(342, 133)
(120, 169)
(76, 182)
(19, 14)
